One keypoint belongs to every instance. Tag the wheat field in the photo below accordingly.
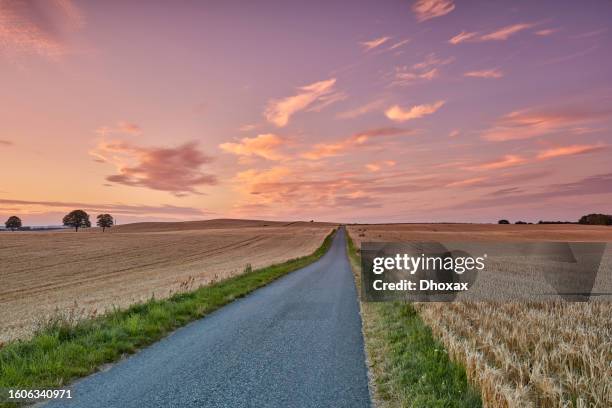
(88, 272)
(544, 354)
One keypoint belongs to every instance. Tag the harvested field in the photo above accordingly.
(84, 273)
(546, 354)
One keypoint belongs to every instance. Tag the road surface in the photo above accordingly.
(294, 343)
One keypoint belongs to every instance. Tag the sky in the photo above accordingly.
(346, 111)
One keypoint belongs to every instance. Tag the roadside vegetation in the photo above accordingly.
(64, 349)
(408, 367)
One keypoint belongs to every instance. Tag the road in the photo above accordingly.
(296, 342)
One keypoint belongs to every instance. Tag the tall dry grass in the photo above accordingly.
(544, 354)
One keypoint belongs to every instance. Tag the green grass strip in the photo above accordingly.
(63, 351)
(410, 367)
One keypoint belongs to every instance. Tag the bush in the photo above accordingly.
(596, 219)
(503, 222)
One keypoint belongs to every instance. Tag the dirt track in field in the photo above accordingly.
(46, 273)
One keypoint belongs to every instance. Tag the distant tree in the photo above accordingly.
(520, 222)
(596, 219)
(13, 223)
(503, 222)
(105, 221)
(77, 219)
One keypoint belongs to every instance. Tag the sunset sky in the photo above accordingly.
(350, 111)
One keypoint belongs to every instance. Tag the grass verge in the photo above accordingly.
(63, 351)
(408, 366)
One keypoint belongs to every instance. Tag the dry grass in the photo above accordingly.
(520, 354)
(45, 273)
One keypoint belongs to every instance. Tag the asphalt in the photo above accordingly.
(296, 342)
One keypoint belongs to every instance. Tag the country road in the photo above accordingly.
(294, 343)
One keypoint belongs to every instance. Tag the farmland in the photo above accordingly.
(545, 354)
(89, 272)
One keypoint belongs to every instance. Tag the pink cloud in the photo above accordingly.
(122, 127)
(280, 111)
(525, 124)
(485, 73)
(399, 114)
(569, 151)
(501, 163)
(546, 32)
(377, 166)
(500, 34)
(427, 9)
(462, 36)
(33, 27)
(505, 32)
(264, 145)
(172, 169)
(375, 43)
(322, 150)
(6, 142)
(33, 206)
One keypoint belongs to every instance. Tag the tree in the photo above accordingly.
(77, 219)
(596, 219)
(105, 221)
(503, 222)
(13, 223)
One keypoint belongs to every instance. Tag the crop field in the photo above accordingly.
(82, 274)
(544, 354)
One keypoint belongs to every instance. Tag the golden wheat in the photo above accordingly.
(545, 354)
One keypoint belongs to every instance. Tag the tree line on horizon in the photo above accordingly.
(75, 219)
(589, 219)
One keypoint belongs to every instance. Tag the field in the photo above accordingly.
(90, 272)
(520, 354)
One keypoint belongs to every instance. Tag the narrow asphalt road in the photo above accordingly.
(294, 343)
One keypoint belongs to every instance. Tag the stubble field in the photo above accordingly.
(546, 354)
(86, 273)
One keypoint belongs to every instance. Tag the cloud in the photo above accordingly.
(322, 150)
(398, 114)
(428, 9)
(376, 167)
(589, 34)
(462, 36)
(432, 60)
(485, 73)
(596, 184)
(399, 44)
(327, 100)
(125, 209)
(509, 160)
(498, 35)
(37, 27)
(466, 182)
(172, 169)
(454, 133)
(530, 123)
(569, 151)
(122, 127)
(361, 110)
(425, 70)
(505, 32)
(247, 128)
(6, 142)
(377, 42)
(405, 76)
(264, 145)
(280, 111)
(546, 32)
